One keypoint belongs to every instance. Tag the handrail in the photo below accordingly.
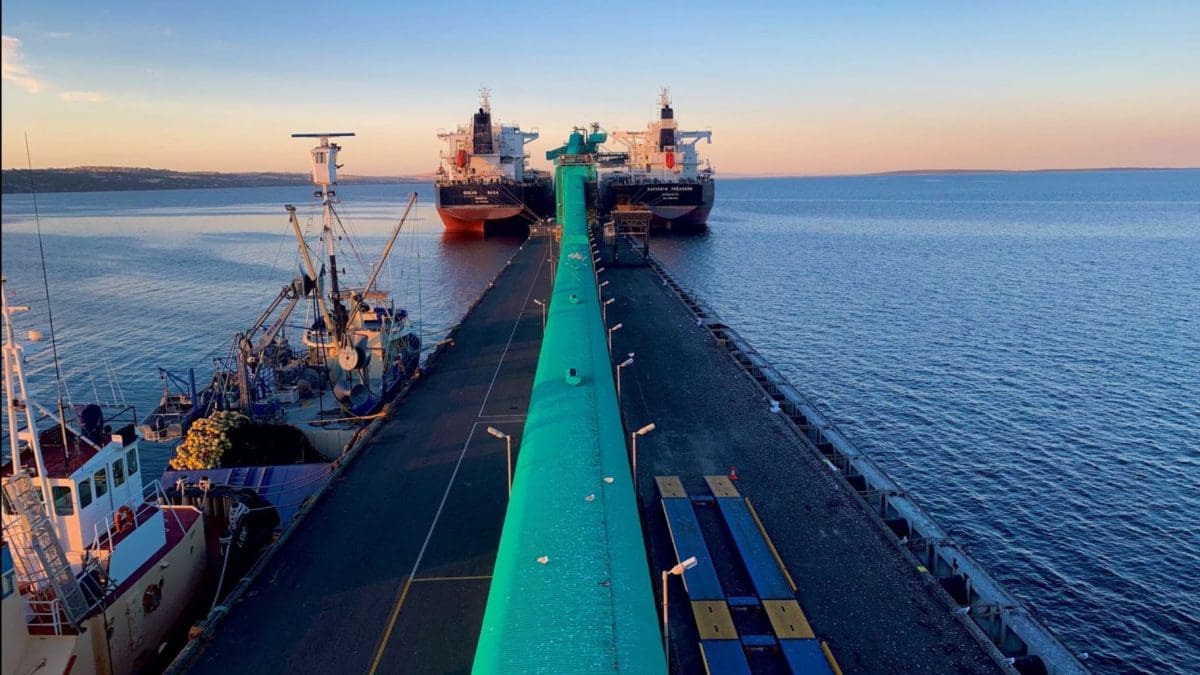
(153, 496)
(44, 614)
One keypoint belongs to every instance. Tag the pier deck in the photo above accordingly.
(390, 570)
(859, 593)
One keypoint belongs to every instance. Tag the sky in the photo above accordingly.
(787, 88)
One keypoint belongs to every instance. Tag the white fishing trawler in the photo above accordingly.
(355, 350)
(98, 569)
(661, 173)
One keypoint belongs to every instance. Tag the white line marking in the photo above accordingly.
(421, 554)
(470, 435)
(511, 335)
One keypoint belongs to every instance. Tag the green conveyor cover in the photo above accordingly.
(571, 589)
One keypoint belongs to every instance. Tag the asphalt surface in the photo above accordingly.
(390, 571)
(858, 592)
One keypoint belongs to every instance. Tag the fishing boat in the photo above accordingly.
(355, 348)
(99, 570)
(177, 408)
(260, 441)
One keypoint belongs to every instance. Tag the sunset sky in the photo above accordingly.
(787, 87)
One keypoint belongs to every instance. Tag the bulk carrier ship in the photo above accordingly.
(661, 174)
(483, 184)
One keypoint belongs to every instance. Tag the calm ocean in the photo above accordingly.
(1020, 351)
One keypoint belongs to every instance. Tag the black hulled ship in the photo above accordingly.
(484, 184)
(660, 174)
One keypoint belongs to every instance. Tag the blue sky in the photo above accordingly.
(786, 87)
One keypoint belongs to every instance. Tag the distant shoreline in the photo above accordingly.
(122, 179)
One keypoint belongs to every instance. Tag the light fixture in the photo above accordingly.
(678, 571)
(507, 452)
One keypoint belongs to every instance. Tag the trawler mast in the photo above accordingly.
(324, 173)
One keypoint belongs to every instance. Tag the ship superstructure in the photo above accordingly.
(661, 173)
(484, 183)
(98, 568)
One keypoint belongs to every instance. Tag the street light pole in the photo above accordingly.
(610, 332)
(626, 362)
(604, 308)
(507, 452)
(541, 304)
(633, 451)
(678, 571)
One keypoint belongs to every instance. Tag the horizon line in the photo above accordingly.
(730, 175)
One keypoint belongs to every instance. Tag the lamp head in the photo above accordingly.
(645, 430)
(626, 363)
(684, 566)
(497, 433)
(616, 327)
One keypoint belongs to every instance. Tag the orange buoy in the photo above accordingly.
(123, 520)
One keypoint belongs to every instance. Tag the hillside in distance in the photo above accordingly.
(108, 178)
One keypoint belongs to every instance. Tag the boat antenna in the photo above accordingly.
(58, 377)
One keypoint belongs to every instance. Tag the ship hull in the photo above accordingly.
(493, 208)
(675, 206)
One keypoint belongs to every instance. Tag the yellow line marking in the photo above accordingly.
(771, 545)
(787, 619)
(721, 486)
(474, 578)
(829, 657)
(670, 486)
(713, 620)
(387, 632)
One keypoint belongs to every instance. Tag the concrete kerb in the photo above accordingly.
(208, 625)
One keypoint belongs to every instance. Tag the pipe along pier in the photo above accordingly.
(742, 531)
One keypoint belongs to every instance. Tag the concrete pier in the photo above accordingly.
(389, 571)
(878, 613)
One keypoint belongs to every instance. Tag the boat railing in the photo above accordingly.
(112, 528)
(164, 426)
(318, 337)
(47, 616)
